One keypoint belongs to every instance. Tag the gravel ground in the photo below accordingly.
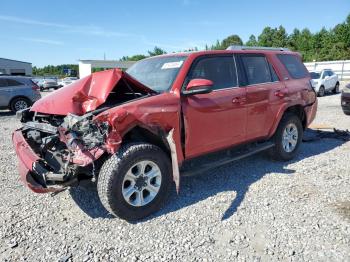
(252, 210)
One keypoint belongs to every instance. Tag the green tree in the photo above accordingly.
(133, 58)
(266, 37)
(252, 41)
(230, 40)
(156, 51)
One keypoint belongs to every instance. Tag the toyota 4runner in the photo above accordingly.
(165, 117)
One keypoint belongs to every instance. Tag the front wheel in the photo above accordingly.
(19, 104)
(336, 88)
(322, 91)
(287, 138)
(135, 182)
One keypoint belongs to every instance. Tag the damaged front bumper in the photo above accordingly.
(31, 168)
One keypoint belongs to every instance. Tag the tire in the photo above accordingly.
(336, 88)
(321, 91)
(19, 104)
(114, 186)
(279, 152)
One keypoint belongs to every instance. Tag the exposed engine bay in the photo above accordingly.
(70, 145)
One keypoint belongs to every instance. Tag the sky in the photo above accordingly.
(62, 32)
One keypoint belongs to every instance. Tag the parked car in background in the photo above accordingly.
(345, 99)
(137, 131)
(66, 81)
(47, 83)
(17, 92)
(324, 81)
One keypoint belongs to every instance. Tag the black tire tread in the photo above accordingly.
(276, 152)
(111, 166)
(321, 94)
(12, 103)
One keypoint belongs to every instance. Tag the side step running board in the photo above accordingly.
(234, 156)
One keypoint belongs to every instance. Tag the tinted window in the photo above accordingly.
(220, 70)
(315, 75)
(294, 66)
(273, 74)
(329, 73)
(257, 69)
(11, 82)
(3, 82)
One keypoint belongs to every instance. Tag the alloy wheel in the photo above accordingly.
(290, 137)
(141, 183)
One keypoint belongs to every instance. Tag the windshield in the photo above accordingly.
(315, 75)
(157, 73)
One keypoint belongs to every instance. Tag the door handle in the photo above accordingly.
(235, 100)
(239, 100)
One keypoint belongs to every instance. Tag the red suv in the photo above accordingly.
(166, 116)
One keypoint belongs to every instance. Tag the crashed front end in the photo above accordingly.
(54, 150)
(63, 138)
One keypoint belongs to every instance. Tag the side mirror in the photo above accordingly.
(198, 86)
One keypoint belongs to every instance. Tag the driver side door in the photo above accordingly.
(215, 120)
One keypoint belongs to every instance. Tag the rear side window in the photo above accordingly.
(330, 73)
(11, 82)
(3, 82)
(257, 69)
(294, 66)
(221, 70)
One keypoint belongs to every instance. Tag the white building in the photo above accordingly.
(85, 66)
(13, 67)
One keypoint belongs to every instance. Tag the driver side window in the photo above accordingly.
(219, 69)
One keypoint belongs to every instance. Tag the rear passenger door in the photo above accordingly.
(3, 92)
(264, 93)
(327, 80)
(332, 79)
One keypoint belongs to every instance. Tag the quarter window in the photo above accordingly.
(221, 70)
(294, 66)
(273, 74)
(11, 82)
(257, 69)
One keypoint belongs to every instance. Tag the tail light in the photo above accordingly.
(35, 87)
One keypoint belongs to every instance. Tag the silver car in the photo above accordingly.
(47, 83)
(17, 92)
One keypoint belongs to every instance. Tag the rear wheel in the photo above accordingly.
(135, 182)
(336, 88)
(19, 104)
(321, 92)
(287, 138)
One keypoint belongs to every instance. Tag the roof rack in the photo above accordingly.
(242, 47)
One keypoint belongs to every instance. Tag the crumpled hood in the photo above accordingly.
(85, 94)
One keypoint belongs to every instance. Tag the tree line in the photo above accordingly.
(324, 45)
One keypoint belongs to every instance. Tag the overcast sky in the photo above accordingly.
(57, 32)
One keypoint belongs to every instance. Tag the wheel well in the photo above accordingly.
(13, 98)
(140, 134)
(298, 110)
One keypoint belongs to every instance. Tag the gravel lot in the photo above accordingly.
(254, 210)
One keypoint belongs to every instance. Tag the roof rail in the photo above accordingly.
(242, 47)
